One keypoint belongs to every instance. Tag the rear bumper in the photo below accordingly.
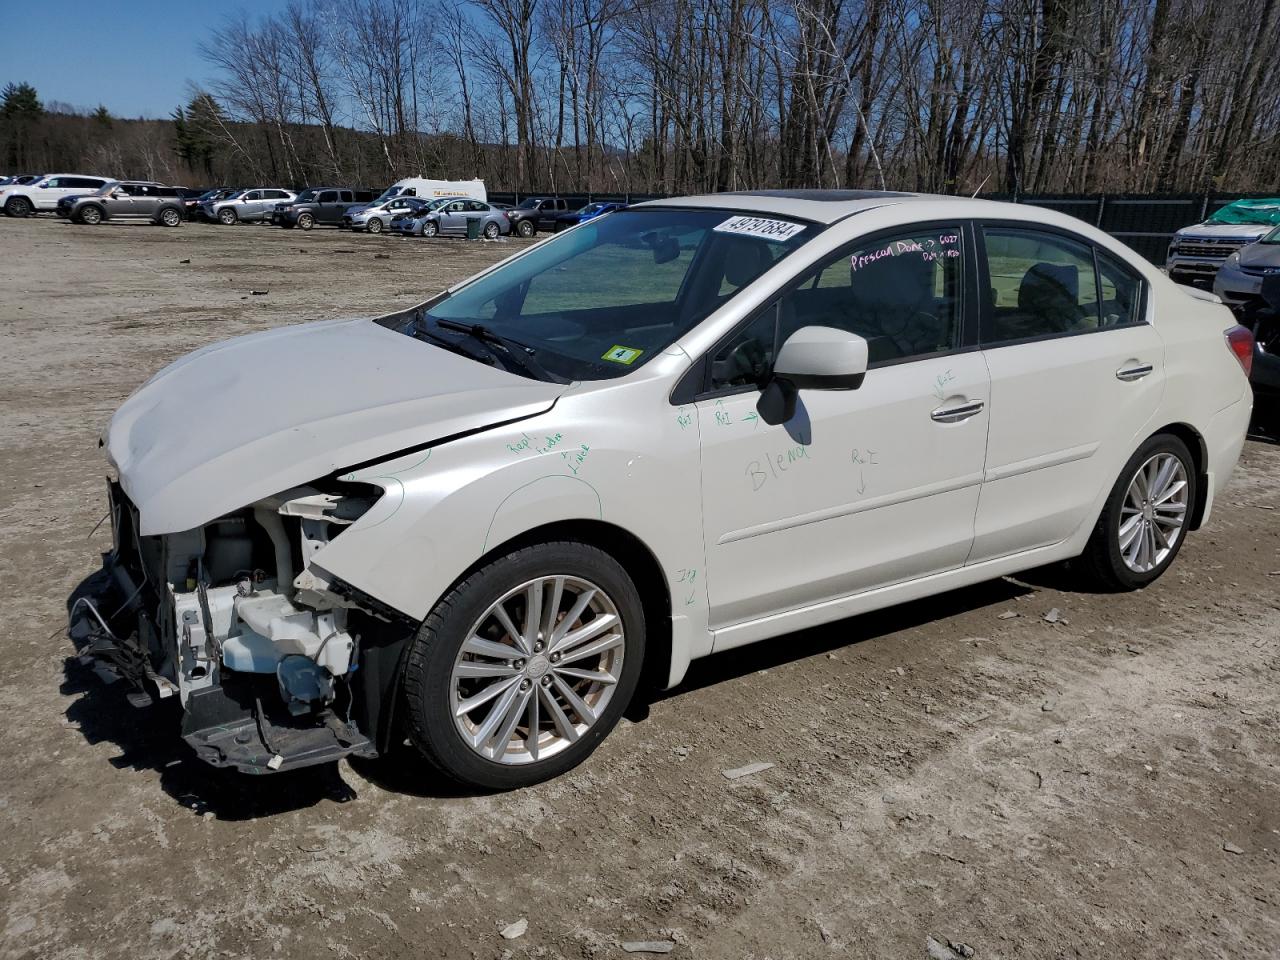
(1224, 440)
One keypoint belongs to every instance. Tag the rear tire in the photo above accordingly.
(491, 231)
(1146, 517)
(171, 217)
(227, 217)
(548, 722)
(18, 207)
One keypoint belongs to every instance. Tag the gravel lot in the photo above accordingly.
(1106, 786)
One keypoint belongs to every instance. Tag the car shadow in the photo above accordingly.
(148, 739)
(788, 648)
(1264, 426)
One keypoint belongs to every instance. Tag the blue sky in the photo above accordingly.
(136, 57)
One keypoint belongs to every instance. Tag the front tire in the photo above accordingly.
(306, 221)
(227, 217)
(526, 229)
(430, 228)
(1146, 516)
(374, 225)
(524, 667)
(91, 215)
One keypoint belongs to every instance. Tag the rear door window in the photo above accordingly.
(1040, 285)
(328, 196)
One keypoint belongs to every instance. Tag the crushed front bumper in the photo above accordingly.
(129, 620)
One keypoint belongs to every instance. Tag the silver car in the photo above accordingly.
(376, 217)
(250, 205)
(451, 220)
(126, 200)
(410, 222)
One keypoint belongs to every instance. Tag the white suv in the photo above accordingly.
(19, 200)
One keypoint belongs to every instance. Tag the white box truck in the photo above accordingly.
(428, 189)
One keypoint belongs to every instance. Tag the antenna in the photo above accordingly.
(980, 186)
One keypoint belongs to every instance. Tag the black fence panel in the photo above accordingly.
(1144, 222)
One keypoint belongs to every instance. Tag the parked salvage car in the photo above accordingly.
(376, 217)
(589, 212)
(451, 219)
(690, 425)
(245, 206)
(410, 222)
(127, 200)
(319, 206)
(1196, 252)
(42, 195)
(192, 205)
(537, 213)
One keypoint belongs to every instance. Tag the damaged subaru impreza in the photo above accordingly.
(479, 523)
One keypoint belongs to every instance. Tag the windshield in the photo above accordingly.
(528, 203)
(605, 298)
(1272, 237)
(387, 194)
(305, 195)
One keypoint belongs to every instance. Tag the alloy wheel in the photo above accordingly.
(171, 217)
(91, 215)
(1153, 513)
(537, 670)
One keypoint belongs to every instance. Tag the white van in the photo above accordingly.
(430, 189)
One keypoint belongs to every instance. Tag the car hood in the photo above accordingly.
(1260, 255)
(1225, 231)
(250, 417)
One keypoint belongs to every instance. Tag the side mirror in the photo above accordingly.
(822, 358)
(815, 358)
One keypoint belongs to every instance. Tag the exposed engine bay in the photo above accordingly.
(233, 619)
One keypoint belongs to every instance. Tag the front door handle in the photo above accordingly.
(963, 411)
(1136, 372)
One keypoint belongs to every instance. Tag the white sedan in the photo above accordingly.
(688, 426)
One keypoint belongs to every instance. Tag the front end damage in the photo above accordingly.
(275, 664)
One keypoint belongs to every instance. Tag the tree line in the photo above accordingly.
(675, 96)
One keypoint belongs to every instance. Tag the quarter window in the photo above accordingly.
(1121, 292)
(1041, 285)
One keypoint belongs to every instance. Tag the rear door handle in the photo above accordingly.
(957, 413)
(1129, 374)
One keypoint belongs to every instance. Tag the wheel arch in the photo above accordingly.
(1200, 459)
(635, 556)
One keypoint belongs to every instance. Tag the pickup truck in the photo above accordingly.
(536, 213)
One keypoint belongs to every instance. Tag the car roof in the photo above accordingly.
(820, 206)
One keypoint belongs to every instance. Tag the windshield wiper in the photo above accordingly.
(453, 346)
(515, 351)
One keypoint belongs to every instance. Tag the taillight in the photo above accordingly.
(1240, 342)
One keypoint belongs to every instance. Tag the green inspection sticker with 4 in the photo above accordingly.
(620, 354)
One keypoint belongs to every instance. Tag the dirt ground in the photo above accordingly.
(1106, 786)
